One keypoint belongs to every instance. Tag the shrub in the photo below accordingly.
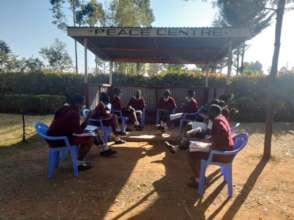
(28, 104)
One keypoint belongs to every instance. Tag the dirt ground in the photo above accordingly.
(145, 182)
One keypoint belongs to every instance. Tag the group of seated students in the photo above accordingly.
(67, 122)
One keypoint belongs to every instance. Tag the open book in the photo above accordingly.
(175, 116)
(198, 146)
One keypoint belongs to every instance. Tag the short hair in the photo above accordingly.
(167, 92)
(76, 99)
(215, 109)
(224, 98)
(191, 93)
(139, 91)
(116, 91)
(104, 97)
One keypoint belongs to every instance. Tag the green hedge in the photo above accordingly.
(30, 104)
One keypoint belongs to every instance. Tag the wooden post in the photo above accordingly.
(23, 127)
(271, 79)
(206, 90)
(230, 56)
(86, 83)
(110, 72)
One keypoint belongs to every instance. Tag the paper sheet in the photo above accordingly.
(198, 146)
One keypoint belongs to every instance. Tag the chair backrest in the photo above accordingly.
(240, 141)
(41, 129)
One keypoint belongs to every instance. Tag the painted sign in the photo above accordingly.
(157, 32)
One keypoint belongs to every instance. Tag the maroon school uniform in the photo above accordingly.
(169, 105)
(221, 134)
(116, 103)
(66, 122)
(100, 111)
(137, 104)
(190, 106)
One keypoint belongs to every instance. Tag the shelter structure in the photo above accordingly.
(159, 45)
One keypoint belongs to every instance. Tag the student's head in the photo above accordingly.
(116, 92)
(138, 93)
(166, 94)
(190, 94)
(76, 101)
(224, 98)
(214, 111)
(104, 98)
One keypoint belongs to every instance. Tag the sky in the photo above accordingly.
(26, 27)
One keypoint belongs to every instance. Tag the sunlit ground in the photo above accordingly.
(146, 182)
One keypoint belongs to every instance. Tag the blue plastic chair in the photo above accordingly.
(143, 115)
(56, 154)
(185, 119)
(158, 111)
(240, 142)
(122, 118)
(106, 130)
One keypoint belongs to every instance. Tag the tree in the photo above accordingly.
(130, 13)
(272, 77)
(252, 68)
(91, 14)
(58, 8)
(57, 57)
(250, 14)
(33, 65)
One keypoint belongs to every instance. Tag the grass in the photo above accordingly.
(11, 129)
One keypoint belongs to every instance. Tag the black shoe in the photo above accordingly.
(122, 133)
(128, 129)
(84, 167)
(173, 149)
(108, 153)
(120, 141)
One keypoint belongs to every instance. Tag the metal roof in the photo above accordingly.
(159, 45)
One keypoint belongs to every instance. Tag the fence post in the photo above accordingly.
(23, 127)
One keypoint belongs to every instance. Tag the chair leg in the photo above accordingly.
(74, 158)
(202, 177)
(51, 163)
(181, 126)
(157, 117)
(229, 179)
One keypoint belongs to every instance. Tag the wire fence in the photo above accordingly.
(16, 128)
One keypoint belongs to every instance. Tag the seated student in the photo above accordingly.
(103, 113)
(166, 106)
(138, 103)
(127, 112)
(66, 122)
(191, 104)
(228, 106)
(221, 139)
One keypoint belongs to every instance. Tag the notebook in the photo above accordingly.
(198, 146)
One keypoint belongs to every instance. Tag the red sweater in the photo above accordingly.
(66, 122)
(190, 106)
(169, 105)
(116, 103)
(100, 111)
(138, 104)
(221, 134)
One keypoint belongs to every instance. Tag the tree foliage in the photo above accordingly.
(57, 56)
(91, 13)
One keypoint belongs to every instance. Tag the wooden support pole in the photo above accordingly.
(271, 80)
(110, 72)
(86, 83)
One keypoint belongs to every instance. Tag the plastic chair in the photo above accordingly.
(106, 130)
(56, 154)
(122, 118)
(158, 111)
(240, 142)
(185, 119)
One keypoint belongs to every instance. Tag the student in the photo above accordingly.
(127, 112)
(191, 104)
(101, 112)
(221, 139)
(138, 103)
(66, 122)
(166, 106)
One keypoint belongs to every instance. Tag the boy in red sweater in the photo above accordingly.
(138, 103)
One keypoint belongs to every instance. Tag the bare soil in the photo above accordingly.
(145, 182)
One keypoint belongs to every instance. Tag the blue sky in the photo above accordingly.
(26, 27)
